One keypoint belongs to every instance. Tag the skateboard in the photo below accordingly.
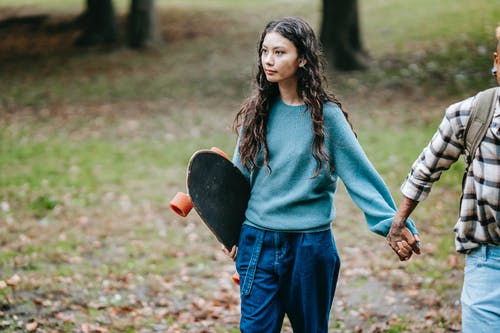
(219, 193)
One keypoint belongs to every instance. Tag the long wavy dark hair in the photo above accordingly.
(251, 120)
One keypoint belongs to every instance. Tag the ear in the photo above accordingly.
(496, 66)
(302, 62)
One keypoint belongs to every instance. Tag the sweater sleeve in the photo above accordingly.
(363, 183)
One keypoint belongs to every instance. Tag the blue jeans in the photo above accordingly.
(481, 291)
(286, 273)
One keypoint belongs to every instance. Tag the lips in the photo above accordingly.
(270, 72)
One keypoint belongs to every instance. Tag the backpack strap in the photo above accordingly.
(481, 114)
(482, 111)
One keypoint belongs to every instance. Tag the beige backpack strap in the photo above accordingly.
(483, 108)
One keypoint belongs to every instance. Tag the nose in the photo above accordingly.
(267, 59)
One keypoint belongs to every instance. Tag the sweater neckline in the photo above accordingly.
(291, 107)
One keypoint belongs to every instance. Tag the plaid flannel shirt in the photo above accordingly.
(479, 212)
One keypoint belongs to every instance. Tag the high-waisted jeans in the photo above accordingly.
(286, 273)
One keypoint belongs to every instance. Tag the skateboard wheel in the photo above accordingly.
(220, 152)
(236, 278)
(181, 204)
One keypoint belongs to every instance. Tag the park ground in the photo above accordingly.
(95, 142)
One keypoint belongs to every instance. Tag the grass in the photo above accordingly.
(86, 168)
(395, 26)
(94, 142)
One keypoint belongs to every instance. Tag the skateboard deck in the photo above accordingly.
(218, 191)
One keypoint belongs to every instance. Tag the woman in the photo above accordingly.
(294, 143)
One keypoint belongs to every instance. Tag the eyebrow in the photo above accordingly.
(275, 47)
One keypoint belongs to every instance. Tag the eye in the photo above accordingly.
(279, 52)
(263, 51)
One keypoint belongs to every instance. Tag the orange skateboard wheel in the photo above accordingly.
(236, 278)
(220, 152)
(181, 204)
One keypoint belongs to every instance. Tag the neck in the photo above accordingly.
(288, 93)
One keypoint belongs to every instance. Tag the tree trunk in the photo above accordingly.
(100, 22)
(143, 28)
(340, 35)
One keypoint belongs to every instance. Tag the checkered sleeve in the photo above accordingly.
(442, 151)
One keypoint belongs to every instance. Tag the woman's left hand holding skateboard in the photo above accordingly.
(231, 254)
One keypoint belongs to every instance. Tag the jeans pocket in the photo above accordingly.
(250, 247)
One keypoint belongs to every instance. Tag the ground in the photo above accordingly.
(95, 142)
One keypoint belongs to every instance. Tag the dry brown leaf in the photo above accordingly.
(31, 327)
(85, 328)
(453, 261)
(14, 280)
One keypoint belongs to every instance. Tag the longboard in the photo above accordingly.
(218, 191)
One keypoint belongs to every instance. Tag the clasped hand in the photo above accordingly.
(403, 242)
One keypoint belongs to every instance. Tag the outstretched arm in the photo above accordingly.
(400, 239)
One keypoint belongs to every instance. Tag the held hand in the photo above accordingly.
(403, 242)
(232, 254)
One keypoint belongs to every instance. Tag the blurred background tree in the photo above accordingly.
(101, 27)
(143, 24)
(340, 35)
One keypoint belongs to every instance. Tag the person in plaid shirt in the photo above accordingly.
(478, 228)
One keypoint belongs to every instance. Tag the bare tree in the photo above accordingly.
(100, 24)
(101, 27)
(143, 24)
(340, 35)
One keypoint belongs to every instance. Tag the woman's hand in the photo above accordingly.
(231, 254)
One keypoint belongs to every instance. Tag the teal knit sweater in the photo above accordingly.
(290, 199)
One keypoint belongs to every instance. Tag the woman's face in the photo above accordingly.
(280, 59)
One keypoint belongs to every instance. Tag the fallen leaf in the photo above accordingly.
(14, 280)
(31, 327)
(85, 328)
(453, 261)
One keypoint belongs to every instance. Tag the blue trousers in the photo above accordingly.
(481, 291)
(286, 273)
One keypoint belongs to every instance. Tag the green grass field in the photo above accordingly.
(95, 142)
